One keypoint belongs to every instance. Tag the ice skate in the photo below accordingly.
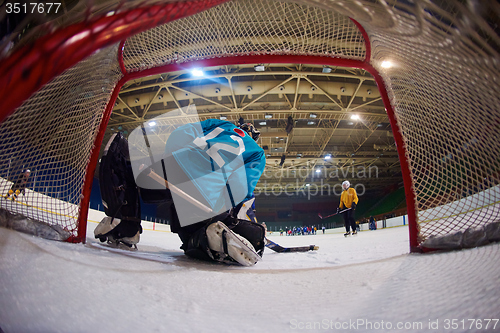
(104, 227)
(347, 234)
(107, 231)
(124, 243)
(354, 232)
(229, 244)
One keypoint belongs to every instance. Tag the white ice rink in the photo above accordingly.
(362, 283)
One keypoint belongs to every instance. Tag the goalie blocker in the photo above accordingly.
(223, 238)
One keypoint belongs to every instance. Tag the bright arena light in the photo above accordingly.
(354, 117)
(386, 64)
(152, 123)
(197, 72)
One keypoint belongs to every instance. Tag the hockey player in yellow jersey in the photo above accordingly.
(348, 199)
(19, 186)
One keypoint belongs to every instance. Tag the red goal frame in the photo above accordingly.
(32, 66)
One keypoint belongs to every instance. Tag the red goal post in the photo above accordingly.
(57, 106)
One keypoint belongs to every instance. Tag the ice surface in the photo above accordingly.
(362, 283)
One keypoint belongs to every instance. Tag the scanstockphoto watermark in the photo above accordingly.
(448, 325)
(357, 324)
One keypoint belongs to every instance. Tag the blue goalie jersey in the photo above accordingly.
(222, 163)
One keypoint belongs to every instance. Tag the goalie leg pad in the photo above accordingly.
(119, 192)
(255, 233)
(228, 245)
(196, 245)
(195, 239)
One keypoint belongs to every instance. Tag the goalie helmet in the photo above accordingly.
(346, 185)
(251, 130)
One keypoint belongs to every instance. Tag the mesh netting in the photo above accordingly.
(443, 88)
(243, 28)
(445, 92)
(52, 135)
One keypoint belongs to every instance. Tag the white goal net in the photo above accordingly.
(60, 75)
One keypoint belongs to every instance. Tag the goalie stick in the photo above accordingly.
(280, 249)
(270, 244)
(340, 212)
(156, 177)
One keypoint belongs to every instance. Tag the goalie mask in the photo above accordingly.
(345, 185)
(251, 130)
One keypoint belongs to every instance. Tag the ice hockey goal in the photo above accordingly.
(60, 76)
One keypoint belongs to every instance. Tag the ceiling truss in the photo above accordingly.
(339, 120)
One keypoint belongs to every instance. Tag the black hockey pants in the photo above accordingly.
(349, 221)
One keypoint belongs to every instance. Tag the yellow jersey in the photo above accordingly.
(348, 197)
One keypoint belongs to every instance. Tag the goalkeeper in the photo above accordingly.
(212, 168)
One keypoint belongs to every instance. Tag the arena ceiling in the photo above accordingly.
(340, 126)
(327, 143)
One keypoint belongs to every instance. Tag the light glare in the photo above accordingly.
(197, 72)
(386, 64)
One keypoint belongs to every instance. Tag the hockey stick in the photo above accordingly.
(280, 249)
(340, 212)
(156, 177)
(161, 180)
(270, 244)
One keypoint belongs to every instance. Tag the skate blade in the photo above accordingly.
(122, 246)
(116, 244)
